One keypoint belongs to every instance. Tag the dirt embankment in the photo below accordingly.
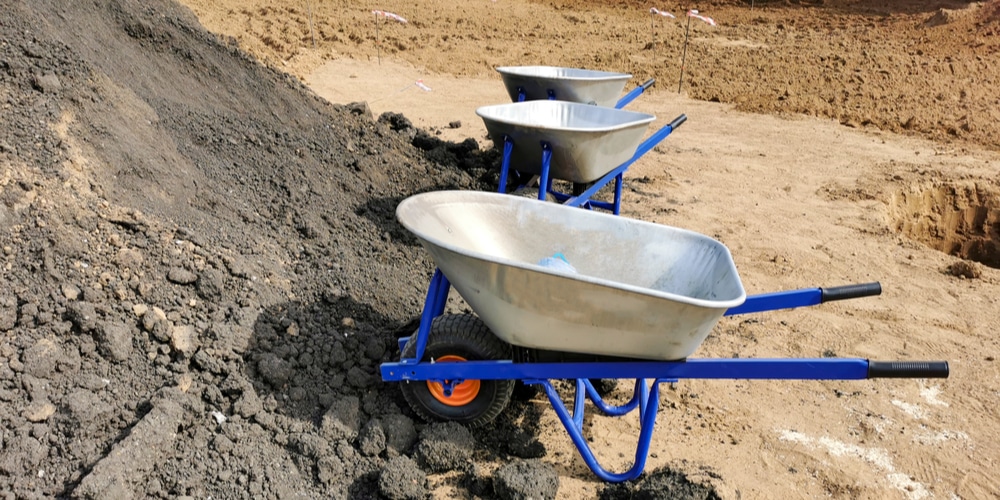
(915, 67)
(201, 267)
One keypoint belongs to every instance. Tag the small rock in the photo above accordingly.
(342, 420)
(40, 359)
(401, 479)
(347, 322)
(249, 403)
(400, 433)
(374, 349)
(395, 121)
(184, 339)
(129, 258)
(39, 411)
(211, 284)
(526, 479)
(48, 83)
(82, 315)
(70, 291)
(155, 322)
(455, 124)
(360, 109)
(359, 378)
(114, 341)
(330, 469)
(181, 276)
(371, 440)
(274, 370)
(85, 407)
(444, 446)
(965, 269)
(140, 309)
(8, 315)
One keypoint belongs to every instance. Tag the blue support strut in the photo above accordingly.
(573, 425)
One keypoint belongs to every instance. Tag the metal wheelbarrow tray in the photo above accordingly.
(585, 142)
(639, 290)
(586, 86)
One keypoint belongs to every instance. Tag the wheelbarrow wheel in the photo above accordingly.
(457, 338)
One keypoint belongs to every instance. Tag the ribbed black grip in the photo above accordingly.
(648, 83)
(677, 122)
(907, 369)
(850, 291)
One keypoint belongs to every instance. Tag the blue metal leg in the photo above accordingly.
(544, 181)
(508, 148)
(609, 410)
(579, 399)
(618, 193)
(647, 423)
(437, 296)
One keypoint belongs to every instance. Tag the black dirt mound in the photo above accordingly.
(661, 483)
(202, 266)
(202, 269)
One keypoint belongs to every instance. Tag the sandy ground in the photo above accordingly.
(800, 201)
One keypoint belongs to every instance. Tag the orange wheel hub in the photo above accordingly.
(461, 394)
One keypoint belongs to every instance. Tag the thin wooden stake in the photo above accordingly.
(685, 53)
(378, 45)
(312, 34)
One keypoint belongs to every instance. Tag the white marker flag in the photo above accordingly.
(389, 15)
(694, 13)
(663, 13)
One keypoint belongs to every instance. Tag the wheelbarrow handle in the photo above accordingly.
(907, 369)
(634, 93)
(850, 291)
(658, 136)
(678, 121)
(804, 297)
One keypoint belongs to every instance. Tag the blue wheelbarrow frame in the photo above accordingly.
(646, 398)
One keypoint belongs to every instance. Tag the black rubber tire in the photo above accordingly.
(467, 336)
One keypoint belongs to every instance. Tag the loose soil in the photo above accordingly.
(202, 271)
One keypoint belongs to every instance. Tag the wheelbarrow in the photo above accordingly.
(590, 146)
(630, 300)
(586, 86)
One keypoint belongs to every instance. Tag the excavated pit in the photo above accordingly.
(959, 219)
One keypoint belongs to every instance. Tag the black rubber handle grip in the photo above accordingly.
(648, 83)
(850, 291)
(907, 369)
(677, 122)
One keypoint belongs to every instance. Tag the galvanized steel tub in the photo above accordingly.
(587, 141)
(640, 290)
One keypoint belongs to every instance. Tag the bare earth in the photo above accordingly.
(849, 142)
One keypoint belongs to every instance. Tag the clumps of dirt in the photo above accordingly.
(202, 271)
(958, 218)
(661, 483)
(965, 269)
(526, 479)
(402, 479)
(444, 446)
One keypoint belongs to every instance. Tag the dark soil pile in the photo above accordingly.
(202, 270)
(201, 266)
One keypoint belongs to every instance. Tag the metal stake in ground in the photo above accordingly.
(708, 20)
(378, 46)
(684, 53)
(312, 34)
